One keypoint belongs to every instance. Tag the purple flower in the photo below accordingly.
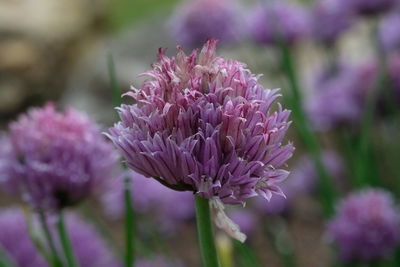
(302, 179)
(149, 197)
(203, 124)
(89, 248)
(389, 32)
(15, 240)
(340, 95)
(55, 159)
(369, 7)
(366, 226)
(279, 21)
(196, 21)
(329, 20)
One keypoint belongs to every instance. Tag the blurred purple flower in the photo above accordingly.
(366, 226)
(204, 124)
(280, 21)
(15, 241)
(329, 20)
(246, 220)
(339, 96)
(149, 196)
(369, 7)
(195, 21)
(89, 248)
(303, 179)
(389, 32)
(54, 159)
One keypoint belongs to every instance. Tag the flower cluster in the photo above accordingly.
(204, 124)
(89, 248)
(198, 20)
(55, 159)
(369, 7)
(389, 32)
(329, 20)
(277, 22)
(366, 226)
(340, 95)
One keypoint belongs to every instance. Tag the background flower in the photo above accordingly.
(366, 226)
(279, 21)
(369, 7)
(55, 159)
(196, 21)
(329, 20)
(89, 248)
(339, 95)
(389, 32)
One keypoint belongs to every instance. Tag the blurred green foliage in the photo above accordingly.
(127, 12)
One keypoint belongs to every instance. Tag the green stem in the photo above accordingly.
(116, 92)
(55, 258)
(65, 241)
(36, 240)
(365, 170)
(279, 236)
(129, 225)
(245, 254)
(129, 212)
(205, 234)
(327, 192)
(5, 260)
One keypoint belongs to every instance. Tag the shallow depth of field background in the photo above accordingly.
(59, 50)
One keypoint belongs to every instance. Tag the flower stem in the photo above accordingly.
(245, 254)
(129, 225)
(365, 170)
(55, 259)
(205, 234)
(327, 192)
(129, 212)
(36, 240)
(278, 233)
(65, 241)
(116, 92)
(5, 260)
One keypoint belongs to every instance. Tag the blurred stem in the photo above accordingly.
(129, 212)
(55, 258)
(101, 227)
(246, 255)
(205, 233)
(5, 260)
(327, 191)
(129, 225)
(396, 258)
(116, 92)
(278, 233)
(365, 172)
(65, 240)
(35, 239)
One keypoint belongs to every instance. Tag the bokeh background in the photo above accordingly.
(62, 51)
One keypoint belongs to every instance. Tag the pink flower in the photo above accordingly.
(204, 124)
